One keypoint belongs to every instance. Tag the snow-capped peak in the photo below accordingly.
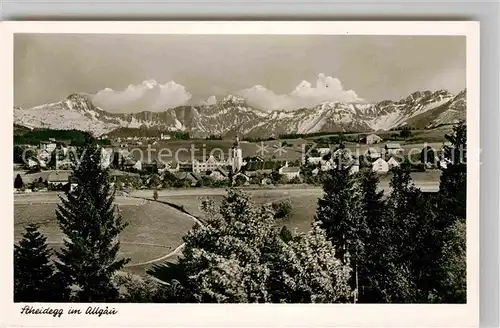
(233, 99)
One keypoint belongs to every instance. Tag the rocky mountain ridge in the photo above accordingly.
(230, 116)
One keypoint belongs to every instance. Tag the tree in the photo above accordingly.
(405, 133)
(401, 205)
(453, 265)
(374, 236)
(306, 270)
(337, 210)
(137, 289)
(241, 255)
(18, 182)
(87, 217)
(427, 155)
(453, 183)
(154, 180)
(452, 218)
(338, 214)
(283, 209)
(35, 278)
(240, 180)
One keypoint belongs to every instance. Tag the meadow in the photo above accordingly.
(154, 229)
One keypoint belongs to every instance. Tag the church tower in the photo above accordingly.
(236, 156)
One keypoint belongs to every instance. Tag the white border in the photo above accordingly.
(240, 315)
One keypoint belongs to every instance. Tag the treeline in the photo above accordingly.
(315, 134)
(362, 247)
(34, 137)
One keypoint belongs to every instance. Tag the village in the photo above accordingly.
(47, 167)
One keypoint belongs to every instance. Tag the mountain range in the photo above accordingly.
(232, 116)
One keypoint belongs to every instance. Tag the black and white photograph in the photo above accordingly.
(233, 168)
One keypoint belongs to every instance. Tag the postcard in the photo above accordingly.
(173, 173)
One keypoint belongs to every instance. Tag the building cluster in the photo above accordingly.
(125, 142)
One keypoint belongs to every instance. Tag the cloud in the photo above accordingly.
(149, 95)
(210, 101)
(152, 96)
(305, 95)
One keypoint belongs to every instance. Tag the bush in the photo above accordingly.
(405, 133)
(283, 209)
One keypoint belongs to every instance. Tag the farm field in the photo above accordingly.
(154, 229)
(303, 199)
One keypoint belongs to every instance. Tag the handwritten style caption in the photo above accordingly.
(58, 312)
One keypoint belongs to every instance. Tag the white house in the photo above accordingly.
(138, 166)
(241, 175)
(372, 139)
(210, 164)
(314, 160)
(373, 153)
(290, 172)
(48, 146)
(393, 149)
(59, 177)
(392, 162)
(324, 151)
(380, 166)
(32, 163)
(218, 175)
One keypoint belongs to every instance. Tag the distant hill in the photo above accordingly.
(35, 136)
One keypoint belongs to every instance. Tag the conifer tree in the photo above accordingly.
(402, 220)
(338, 213)
(453, 265)
(35, 278)
(18, 182)
(453, 183)
(87, 217)
(452, 218)
(376, 229)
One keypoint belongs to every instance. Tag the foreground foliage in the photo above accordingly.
(240, 256)
(87, 216)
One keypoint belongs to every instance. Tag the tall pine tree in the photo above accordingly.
(338, 213)
(402, 220)
(453, 184)
(373, 275)
(35, 278)
(87, 217)
(452, 218)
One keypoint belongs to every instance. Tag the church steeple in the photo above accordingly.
(236, 155)
(236, 143)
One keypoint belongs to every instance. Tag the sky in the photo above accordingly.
(128, 73)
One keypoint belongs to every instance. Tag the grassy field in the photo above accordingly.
(303, 204)
(303, 200)
(154, 228)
